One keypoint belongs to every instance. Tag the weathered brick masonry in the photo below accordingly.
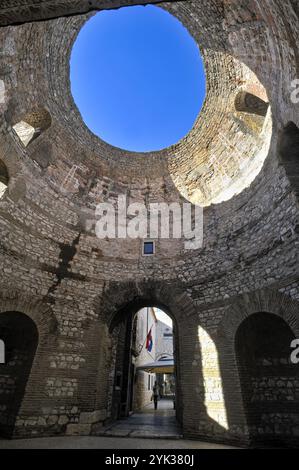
(78, 290)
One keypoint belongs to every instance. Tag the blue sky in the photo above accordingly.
(137, 78)
(163, 317)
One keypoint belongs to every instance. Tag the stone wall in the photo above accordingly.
(73, 285)
(143, 386)
(270, 382)
(19, 335)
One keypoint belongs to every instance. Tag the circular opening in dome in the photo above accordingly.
(137, 77)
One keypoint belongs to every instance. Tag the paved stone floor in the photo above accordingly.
(147, 430)
(149, 423)
(106, 443)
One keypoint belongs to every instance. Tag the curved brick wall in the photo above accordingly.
(49, 250)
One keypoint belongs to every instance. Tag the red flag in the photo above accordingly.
(149, 341)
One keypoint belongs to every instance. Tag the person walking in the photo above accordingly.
(155, 395)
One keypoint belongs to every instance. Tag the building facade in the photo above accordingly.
(146, 346)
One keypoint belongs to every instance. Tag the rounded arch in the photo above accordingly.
(164, 356)
(264, 300)
(12, 300)
(242, 308)
(269, 381)
(196, 174)
(118, 299)
(19, 334)
(247, 102)
(117, 306)
(259, 324)
(27, 376)
(39, 118)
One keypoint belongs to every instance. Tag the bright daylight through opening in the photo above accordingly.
(137, 77)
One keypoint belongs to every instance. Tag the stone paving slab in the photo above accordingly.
(154, 435)
(89, 442)
(149, 424)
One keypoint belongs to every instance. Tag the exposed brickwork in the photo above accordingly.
(269, 380)
(76, 289)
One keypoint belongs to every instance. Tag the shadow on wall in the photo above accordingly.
(260, 383)
(245, 392)
(20, 337)
(288, 150)
(269, 381)
(248, 103)
(200, 407)
(121, 331)
(204, 408)
(212, 381)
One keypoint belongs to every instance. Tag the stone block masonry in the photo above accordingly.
(75, 292)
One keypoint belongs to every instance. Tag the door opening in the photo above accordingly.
(145, 369)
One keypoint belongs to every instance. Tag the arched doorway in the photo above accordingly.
(146, 369)
(288, 150)
(153, 361)
(19, 335)
(269, 380)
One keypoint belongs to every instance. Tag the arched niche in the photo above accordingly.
(20, 337)
(269, 381)
(32, 125)
(246, 102)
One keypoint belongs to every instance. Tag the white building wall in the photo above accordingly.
(164, 340)
(144, 382)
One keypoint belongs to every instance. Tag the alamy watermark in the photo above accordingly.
(154, 220)
(295, 353)
(2, 352)
(295, 91)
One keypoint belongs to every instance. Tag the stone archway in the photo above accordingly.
(42, 315)
(117, 298)
(113, 306)
(269, 381)
(28, 328)
(20, 337)
(238, 312)
(23, 13)
(119, 302)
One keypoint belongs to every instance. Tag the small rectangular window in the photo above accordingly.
(148, 248)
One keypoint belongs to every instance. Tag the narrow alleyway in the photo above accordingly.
(160, 423)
